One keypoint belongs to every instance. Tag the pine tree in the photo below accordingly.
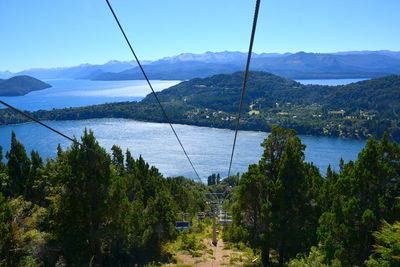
(386, 251)
(4, 179)
(277, 199)
(364, 193)
(5, 233)
(18, 166)
(117, 159)
(82, 209)
(212, 179)
(2, 166)
(33, 188)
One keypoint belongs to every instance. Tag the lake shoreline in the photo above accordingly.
(203, 125)
(209, 148)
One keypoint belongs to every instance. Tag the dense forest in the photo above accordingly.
(90, 208)
(285, 208)
(359, 110)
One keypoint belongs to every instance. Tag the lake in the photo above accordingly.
(209, 148)
(78, 93)
(331, 82)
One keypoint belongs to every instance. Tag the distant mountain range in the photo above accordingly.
(5, 74)
(350, 64)
(216, 57)
(295, 66)
(21, 85)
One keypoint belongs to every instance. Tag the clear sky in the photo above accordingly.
(50, 33)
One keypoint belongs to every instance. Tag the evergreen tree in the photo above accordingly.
(387, 247)
(2, 166)
(18, 166)
(117, 158)
(212, 179)
(188, 194)
(153, 209)
(277, 199)
(87, 208)
(364, 193)
(4, 180)
(82, 209)
(231, 181)
(249, 219)
(34, 190)
(6, 258)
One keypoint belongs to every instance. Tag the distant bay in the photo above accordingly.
(331, 82)
(78, 93)
(209, 148)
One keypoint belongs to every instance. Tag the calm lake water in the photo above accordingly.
(209, 148)
(330, 81)
(78, 93)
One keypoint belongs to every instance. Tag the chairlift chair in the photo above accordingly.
(224, 219)
(182, 225)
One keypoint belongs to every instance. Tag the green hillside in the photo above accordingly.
(357, 110)
(266, 90)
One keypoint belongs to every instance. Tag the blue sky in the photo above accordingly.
(50, 33)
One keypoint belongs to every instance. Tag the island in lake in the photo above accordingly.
(21, 85)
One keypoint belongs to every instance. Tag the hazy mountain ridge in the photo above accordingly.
(21, 85)
(295, 66)
(216, 57)
(76, 72)
(190, 65)
(5, 74)
(390, 53)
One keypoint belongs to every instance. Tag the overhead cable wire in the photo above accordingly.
(154, 93)
(246, 74)
(48, 127)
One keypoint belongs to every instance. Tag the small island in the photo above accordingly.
(21, 85)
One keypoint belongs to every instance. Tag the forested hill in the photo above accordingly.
(358, 110)
(223, 91)
(265, 91)
(21, 85)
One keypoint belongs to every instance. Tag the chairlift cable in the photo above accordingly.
(48, 127)
(253, 32)
(151, 87)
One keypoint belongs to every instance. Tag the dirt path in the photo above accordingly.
(211, 257)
